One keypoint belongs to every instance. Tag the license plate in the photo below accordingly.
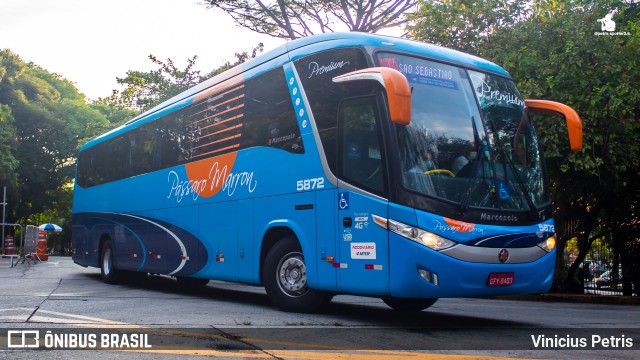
(500, 279)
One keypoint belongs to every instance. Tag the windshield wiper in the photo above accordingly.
(463, 206)
(530, 205)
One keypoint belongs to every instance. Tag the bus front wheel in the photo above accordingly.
(285, 279)
(107, 269)
(409, 305)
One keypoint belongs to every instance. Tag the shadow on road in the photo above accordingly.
(367, 312)
(354, 324)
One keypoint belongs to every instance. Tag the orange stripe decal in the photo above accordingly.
(219, 104)
(218, 141)
(218, 114)
(216, 133)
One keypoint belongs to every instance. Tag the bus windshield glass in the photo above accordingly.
(469, 141)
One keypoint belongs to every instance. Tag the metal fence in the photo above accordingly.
(601, 271)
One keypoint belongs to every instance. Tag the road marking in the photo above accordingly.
(20, 314)
(254, 354)
(324, 352)
(323, 355)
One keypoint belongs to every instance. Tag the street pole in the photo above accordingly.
(4, 206)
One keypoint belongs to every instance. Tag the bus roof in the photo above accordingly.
(314, 44)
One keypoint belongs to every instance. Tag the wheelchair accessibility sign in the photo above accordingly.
(343, 202)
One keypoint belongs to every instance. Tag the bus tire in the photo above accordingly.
(110, 274)
(409, 304)
(285, 279)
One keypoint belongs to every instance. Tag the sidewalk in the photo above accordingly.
(577, 298)
(9, 261)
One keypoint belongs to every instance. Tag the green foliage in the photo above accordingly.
(465, 25)
(8, 162)
(240, 58)
(145, 89)
(43, 122)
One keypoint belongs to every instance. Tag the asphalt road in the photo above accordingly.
(234, 321)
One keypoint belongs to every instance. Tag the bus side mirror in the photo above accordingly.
(395, 85)
(574, 125)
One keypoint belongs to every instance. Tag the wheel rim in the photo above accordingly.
(292, 275)
(106, 261)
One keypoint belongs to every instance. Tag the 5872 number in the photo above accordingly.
(310, 184)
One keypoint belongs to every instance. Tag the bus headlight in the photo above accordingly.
(548, 244)
(420, 236)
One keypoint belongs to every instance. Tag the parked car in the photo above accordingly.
(593, 269)
(608, 279)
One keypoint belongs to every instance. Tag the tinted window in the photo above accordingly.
(316, 72)
(118, 160)
(360, 151)
(142, 146)
(270, 117)
(258, 112)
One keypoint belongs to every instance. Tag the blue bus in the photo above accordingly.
(342, 163)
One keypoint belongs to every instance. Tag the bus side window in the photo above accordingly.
(360, 151)
(118, 160)
(97, 170)
(93, 165)
(142, 150)
(324, 95)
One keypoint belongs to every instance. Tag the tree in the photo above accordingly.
(45, 120)
(240, 58)
(465, 25)
(8, 162)
(143, 90)
(146, 89)
(291, 19)
(9, 69)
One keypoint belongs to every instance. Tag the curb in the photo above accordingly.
(576, 298)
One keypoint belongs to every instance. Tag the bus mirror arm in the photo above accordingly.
(574, 124)
(396, 87)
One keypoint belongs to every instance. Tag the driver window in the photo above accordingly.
(359, 145)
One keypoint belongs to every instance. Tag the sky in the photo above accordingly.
(91, 42)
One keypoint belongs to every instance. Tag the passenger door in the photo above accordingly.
(362, 189)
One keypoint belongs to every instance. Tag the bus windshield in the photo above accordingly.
(469, 141)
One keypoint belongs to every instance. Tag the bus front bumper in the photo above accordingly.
(420, 272)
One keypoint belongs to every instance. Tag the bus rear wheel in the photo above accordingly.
(109, 273)
(285, 279)
(409, 305)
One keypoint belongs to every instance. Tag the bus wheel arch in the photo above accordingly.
(283, 274)
(270, 238)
